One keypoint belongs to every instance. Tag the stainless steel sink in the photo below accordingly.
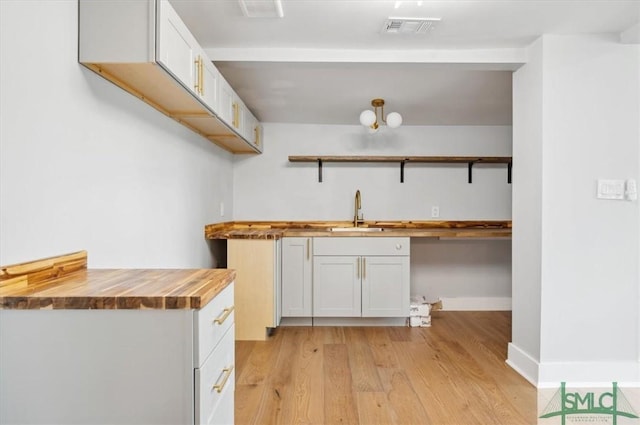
(356, 229)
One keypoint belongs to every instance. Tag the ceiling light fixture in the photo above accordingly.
(373, 119)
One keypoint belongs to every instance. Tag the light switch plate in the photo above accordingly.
(610, 189)
(631, 190)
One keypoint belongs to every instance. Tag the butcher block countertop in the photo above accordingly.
(424, 229)
(64, 282)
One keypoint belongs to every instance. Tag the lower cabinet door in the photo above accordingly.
(336, 286)
(296, 277)
(215, 384)
(385, 286)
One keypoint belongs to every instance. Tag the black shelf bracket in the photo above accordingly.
(402, 171)
(509, 172)
(470, 178)
(319, 171)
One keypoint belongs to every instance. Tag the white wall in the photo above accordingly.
(85, 165)
(590, 246)
(269, 187)
(586, 269)
(462, 270)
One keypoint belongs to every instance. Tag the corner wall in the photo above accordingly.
(524, 349)
(590, 246)
(575, 283)
(85, 165)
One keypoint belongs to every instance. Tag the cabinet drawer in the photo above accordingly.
(361, 246)
(215, 384)
(211, 323)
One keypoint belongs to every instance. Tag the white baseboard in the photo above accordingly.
(343, 321)
(476, 304)
(575, 374)
(523, 363)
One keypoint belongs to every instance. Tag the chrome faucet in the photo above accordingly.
(357, 214)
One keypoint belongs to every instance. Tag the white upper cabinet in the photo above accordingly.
(145, 48)
(208, 85)
(252, 130)
(226, 98)
(176, 48)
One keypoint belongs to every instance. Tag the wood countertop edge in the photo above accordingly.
(195, 298)
(272, 230)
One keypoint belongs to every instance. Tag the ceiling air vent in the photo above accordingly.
(409, 25)
(261, 8)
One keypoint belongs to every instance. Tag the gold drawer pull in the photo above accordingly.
(225, 313)
(227, 373)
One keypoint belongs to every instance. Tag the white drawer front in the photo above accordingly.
(211, 323)
(361, 246)
(215, 384)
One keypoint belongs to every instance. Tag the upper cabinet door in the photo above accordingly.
(252, 130)
(226, 95)
(177, 47)
(209, 84)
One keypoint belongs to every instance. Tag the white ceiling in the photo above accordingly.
(325, 60)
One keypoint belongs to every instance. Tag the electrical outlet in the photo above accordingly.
(221, 209)
(435, 212)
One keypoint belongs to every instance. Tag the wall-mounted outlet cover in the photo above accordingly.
(631, 190)
(610, 189)
(435, 212)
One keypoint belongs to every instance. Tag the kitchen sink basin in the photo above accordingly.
(356, 229)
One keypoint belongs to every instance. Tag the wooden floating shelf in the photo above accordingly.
(402, 160)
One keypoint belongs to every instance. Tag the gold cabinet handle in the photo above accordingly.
(358, 268)
(225, 313)
(308, 246)
(196, 84)
(364, 268)
(236, 108)
(227, 373)
(201, 76)
(257, 133)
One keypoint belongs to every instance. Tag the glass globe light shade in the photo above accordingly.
(394, 120)
(367, 117)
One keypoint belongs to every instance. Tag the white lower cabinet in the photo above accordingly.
(385, 286)
(215, 384)
(361, 277)
(214, 376)
(119, 366)
(296, 277)
(337, 286)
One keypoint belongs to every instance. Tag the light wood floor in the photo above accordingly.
(451, 373)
